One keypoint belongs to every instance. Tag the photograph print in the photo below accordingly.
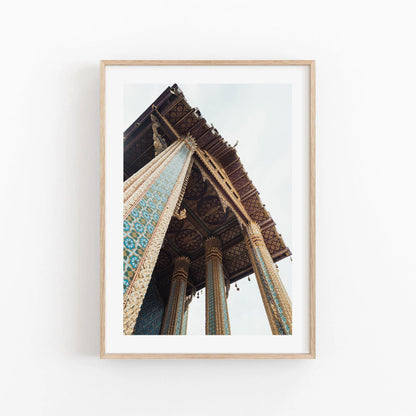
(202, 248)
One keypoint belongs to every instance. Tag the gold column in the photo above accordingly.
(174, 313)
(216, 309)
(275, 299)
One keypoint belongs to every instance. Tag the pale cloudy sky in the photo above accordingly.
(259, 116)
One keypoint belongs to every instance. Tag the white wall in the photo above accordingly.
(49, 162)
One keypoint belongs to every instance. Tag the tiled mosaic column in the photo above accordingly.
(147, 173)
(150, 200)
(175, 309)
(185, 315)
(275, 299)
(217, 321)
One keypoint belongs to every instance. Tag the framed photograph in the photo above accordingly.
(207, 209)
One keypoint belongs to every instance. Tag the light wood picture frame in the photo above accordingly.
(107, 113)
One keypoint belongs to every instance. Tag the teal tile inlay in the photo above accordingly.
(169, 309)
(270, 291)
(185, 321)
(210, 299)
(179, 315)
(224, 303)
(150, 316)
(141, 222)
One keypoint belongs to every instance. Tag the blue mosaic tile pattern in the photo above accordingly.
(179, 316)
(210, 299)
(150, 317)
(212, 328)
(169, 308)
(139, 225)
(177, 288)
(271, 293)
(185, 321)
(224, 304)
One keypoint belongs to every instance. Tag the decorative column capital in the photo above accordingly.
(213, 248)
(190, 142)
(181, 268)
(253, 234)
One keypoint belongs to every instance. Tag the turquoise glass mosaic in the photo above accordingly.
(270, 291)
(150, 316)
(179, 316)
(169, 308)
(139, 225)
(224, 304)
(210, 299)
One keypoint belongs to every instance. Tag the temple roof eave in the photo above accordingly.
(177, 119)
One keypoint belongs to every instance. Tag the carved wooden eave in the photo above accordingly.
(220, 167)
(211, 170)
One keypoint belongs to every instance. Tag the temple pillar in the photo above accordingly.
(275, 299)
(185, 315)
(175, 309)
(151, 198)
(217, 321)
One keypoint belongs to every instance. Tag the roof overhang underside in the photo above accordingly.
(206, 214)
